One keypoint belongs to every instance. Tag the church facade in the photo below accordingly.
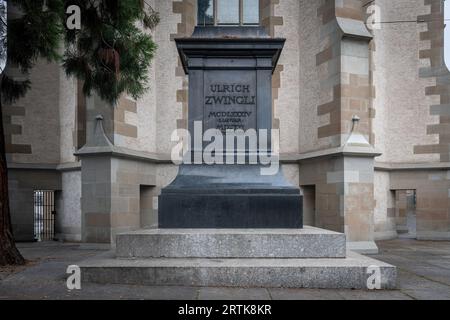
(106, 166)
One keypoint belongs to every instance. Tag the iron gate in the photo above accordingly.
(44, 215)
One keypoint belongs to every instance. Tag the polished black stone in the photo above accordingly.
(230, 87)
(229, 196)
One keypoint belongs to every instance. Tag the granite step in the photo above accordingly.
(337, 273)
(231, 243)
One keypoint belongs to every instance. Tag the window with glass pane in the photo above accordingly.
(205, 14)
(250, 13)
(228, 12)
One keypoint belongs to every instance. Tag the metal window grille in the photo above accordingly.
(44, 215)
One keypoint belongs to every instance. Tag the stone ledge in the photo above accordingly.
(352, 28)
(122, 152)
(433, 235)
(349, 273)
(363, 247)
(344, 151)
(384, 166)
(63, 167)
(232, 243)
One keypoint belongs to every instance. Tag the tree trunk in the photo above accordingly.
(9, 255)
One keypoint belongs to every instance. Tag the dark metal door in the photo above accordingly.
(44, 215)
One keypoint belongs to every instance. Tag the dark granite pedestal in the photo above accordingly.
(233, 196)
(230, 88)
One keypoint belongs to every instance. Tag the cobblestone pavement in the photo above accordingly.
(423, 273)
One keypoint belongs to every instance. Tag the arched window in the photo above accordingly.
(228, 12)
(447, 33)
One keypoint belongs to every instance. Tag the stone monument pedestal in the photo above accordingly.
(229, 196)
(231, 225)
(288, 258)
(230, 94)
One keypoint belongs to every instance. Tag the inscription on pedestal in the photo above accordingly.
(230, 100)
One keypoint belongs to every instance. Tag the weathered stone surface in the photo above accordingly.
(226, 243)
(350, 272)
(363, 247)
(309, 258)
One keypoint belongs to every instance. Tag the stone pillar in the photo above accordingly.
(344, 181)
(433, 190)
(112, 176)
(344, 175)
(358, 202)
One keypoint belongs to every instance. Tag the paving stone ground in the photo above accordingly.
(423, 273)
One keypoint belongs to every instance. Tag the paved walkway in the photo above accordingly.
(423, 273)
